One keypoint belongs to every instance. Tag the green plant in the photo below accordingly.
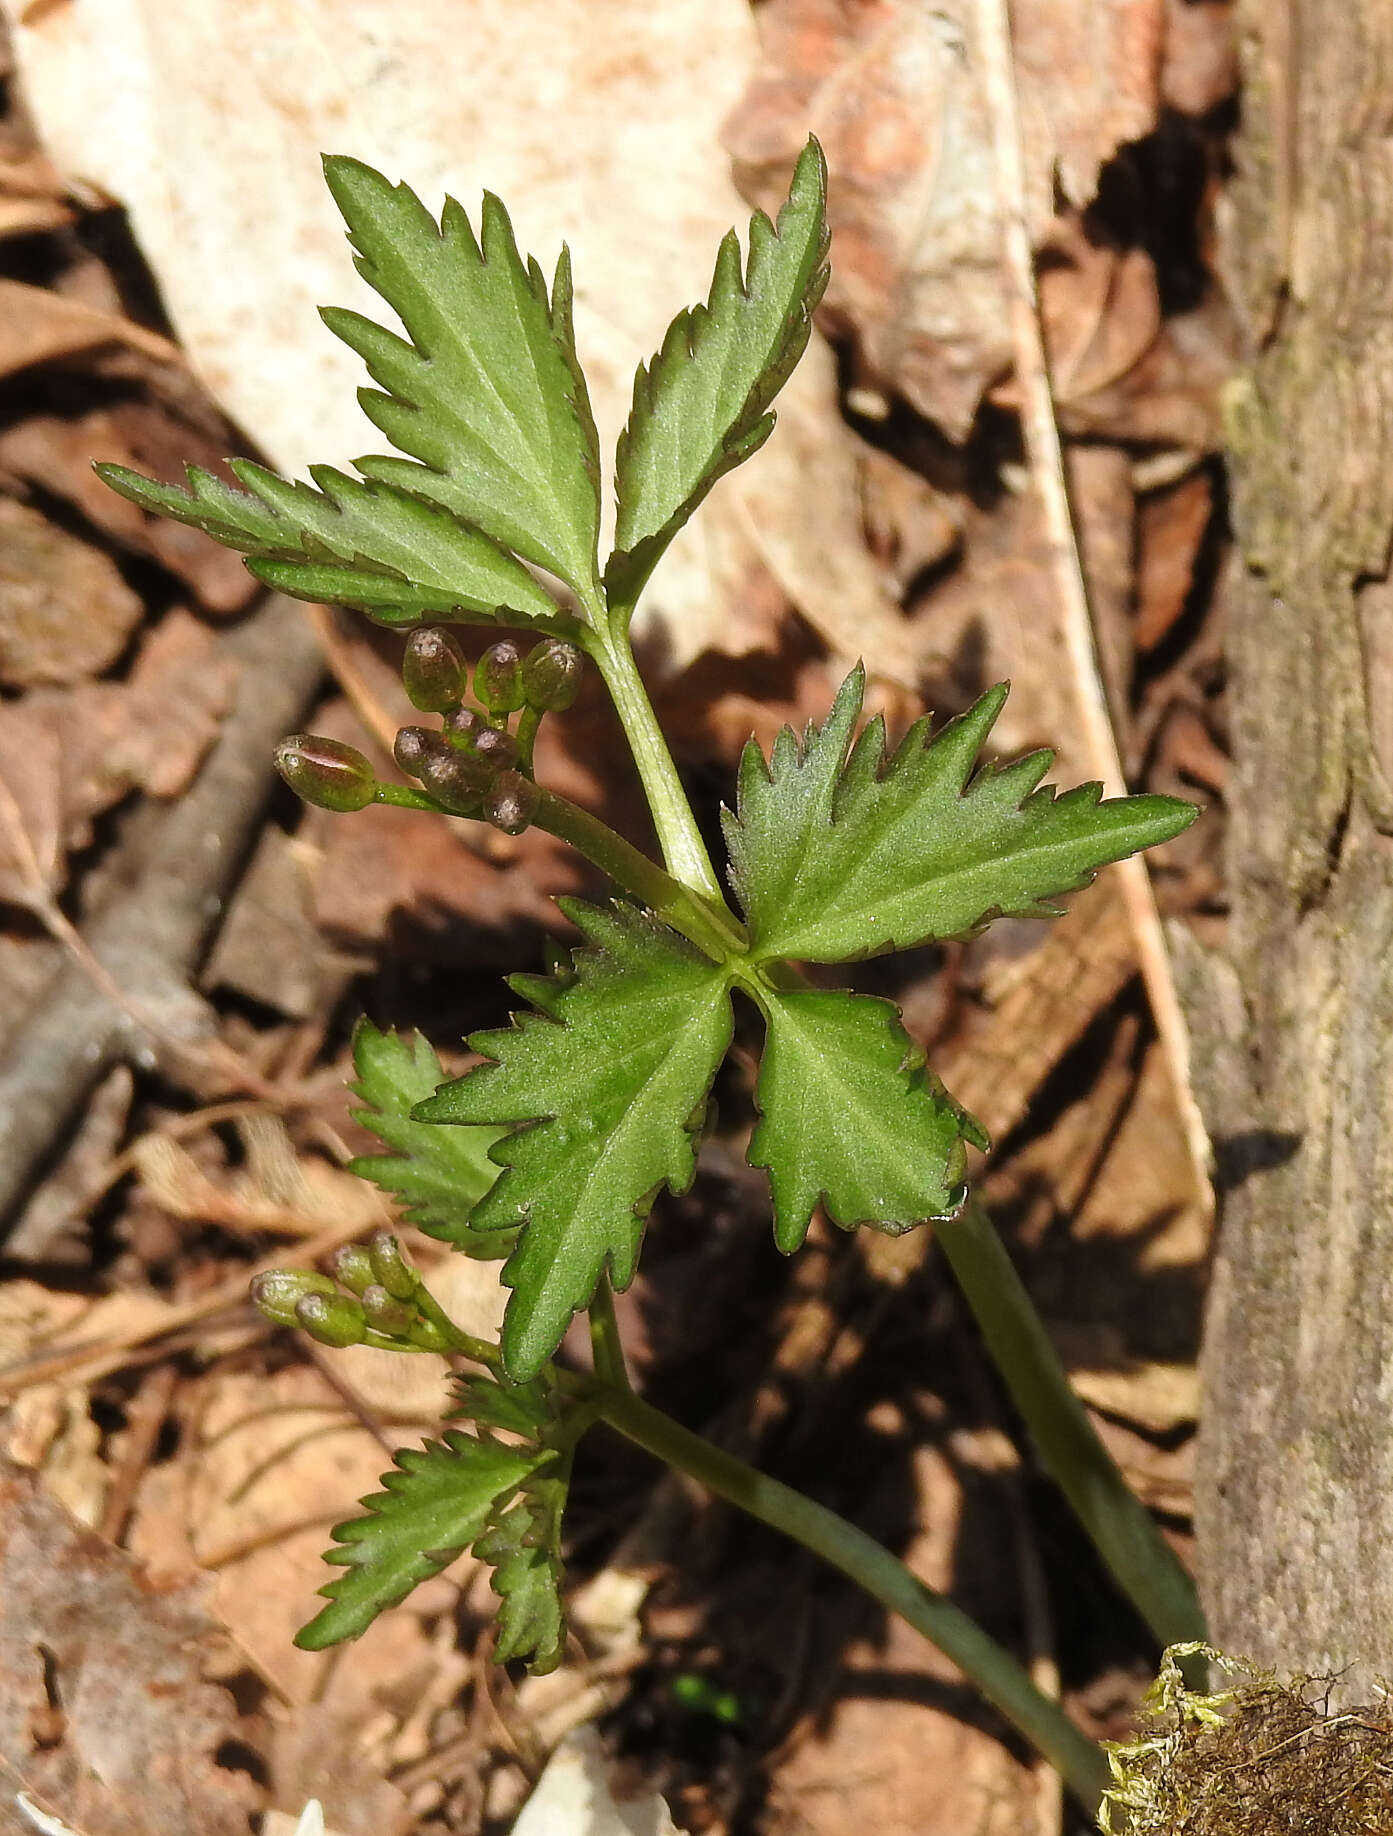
(550, 1153)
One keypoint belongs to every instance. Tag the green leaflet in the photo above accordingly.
(522, 1541)
(435, 1503)
(438, 1174)
(523, 1547)
(849, 1117)
(356, 544)
(701, 406)
(518, 1408)
(612, 1078)
(838, 852)
(485, 390)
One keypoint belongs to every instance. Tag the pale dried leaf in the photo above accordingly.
(1054, 993)
(277, 1191)
(133, 96)
(574, 1797)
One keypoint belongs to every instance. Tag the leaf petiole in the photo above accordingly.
(711, 927)
(606, 1345)
(680, 839)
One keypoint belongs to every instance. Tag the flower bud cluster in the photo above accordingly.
(373, 1295)
(473, 765)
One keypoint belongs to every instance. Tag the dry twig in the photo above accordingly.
(146, 943)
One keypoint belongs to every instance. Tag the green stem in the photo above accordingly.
(526, 737)
(606, 1347)
(1119, 1526)
(683, 849)
(1005, 1684)
(456, 1339)
(710, 929)
(404, 797)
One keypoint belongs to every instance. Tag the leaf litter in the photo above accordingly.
(905, 527)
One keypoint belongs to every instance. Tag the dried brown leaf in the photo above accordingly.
(892, 90)
(889, 1753)
(105, 1717)
(65, 611)
(1170, 527)
(38, 325)
(278, 1191)
(68, 754)
(58, 455)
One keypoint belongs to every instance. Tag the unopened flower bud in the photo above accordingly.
(325, 772)
(495, 749)
(331, 1319)
(498, 678)
(410, 748)
(276, 1293)
(551, 676)
(434, 670)
(461, 726)
(476, 739)
(511, 802)
(383, 1313)
(454, 779)
(390, 1266)
(352, 1266)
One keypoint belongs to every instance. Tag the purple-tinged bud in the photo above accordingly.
(434, 670)
(495, 749)
(454, 779)
(551, 676)
(511, 802)
(411, 746)
(352, 1266)
(498, 678)
(331, 1319)
(326, 773)
(276, 1293)
(490, 747)
(385, 1314)
(390, 1267)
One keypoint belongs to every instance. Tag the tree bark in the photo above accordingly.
(1295, 1505)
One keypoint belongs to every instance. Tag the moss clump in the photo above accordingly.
(1262, 1758)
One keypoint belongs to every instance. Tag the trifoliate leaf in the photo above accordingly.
(523, 1547)
(838, 852)
(850, 1117)
(435, 1504)
(485, 390)
(438, 1174)
(701, 405)
(354, 544)
(612, 1078)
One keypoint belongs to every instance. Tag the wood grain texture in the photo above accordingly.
(1295, 1505)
